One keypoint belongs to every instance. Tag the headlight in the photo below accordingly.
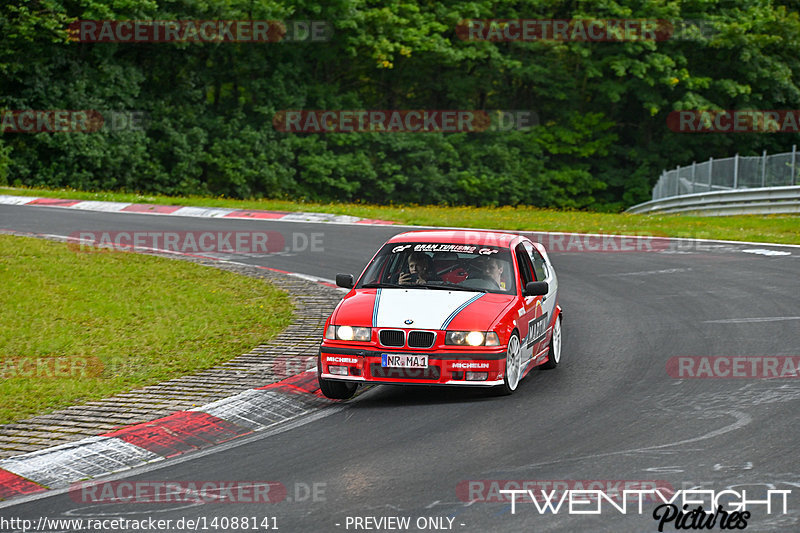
(348, 333)
(472, 338)
(492, 339)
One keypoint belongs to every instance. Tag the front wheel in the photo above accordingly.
(513, 366)
(335, 390)
(554, 351)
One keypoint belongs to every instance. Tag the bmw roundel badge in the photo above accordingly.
(408, 321)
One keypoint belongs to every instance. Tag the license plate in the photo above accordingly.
(392, 360)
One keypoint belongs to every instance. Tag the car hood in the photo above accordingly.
(424, 308)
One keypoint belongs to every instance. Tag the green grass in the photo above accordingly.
(77, 326)
(783, 229)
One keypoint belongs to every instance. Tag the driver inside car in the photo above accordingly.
(492, 269)
(420, 270)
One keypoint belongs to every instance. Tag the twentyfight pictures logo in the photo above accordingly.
(730, 506)
(683, 509)
(199, 31)
(402, 120)
(734, 367)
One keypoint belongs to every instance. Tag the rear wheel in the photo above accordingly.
(335, 390)
(513, 366)
(554, 352)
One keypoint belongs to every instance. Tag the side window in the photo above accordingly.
(391, 263)
(539, 266)
(378, 271)
(525, 267)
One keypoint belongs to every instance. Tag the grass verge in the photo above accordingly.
(784, 229)
(77, 326)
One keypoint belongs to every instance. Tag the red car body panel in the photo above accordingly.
(531, 317)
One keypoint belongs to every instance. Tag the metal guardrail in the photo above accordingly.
(759, 201)
(730, 173)
(733, 185)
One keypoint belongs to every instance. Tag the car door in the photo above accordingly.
(530, 323)
(543, 272)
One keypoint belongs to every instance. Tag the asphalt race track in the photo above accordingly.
(610, 413)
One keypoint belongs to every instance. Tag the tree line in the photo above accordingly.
(203, 116)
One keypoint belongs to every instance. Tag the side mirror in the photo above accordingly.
(346, 281)
(536, 288)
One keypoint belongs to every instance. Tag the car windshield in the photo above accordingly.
(441, 266)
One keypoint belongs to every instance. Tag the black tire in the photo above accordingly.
(515, 364)
(335, 390)
(554, 350)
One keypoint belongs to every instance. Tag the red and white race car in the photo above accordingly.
(444, 308)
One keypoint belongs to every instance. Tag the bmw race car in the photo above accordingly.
(444, 308)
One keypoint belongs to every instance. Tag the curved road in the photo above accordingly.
(610, 412)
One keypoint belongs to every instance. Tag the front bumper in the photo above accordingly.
(444, 368)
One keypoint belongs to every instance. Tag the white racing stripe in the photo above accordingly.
(427, 308)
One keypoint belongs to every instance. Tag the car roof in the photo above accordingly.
(475, 237)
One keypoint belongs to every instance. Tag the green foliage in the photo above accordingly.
(601, 143)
